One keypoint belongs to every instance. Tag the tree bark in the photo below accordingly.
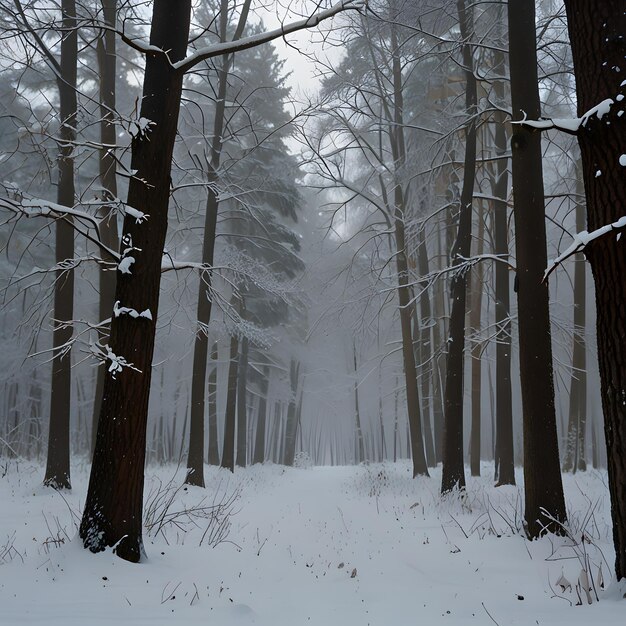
(597, 38)
(113, 507)
(453, 473)
(242, 407)
(107, 64)
(214, 453)
(259, 444)
(228, 449)
(542, 473)
(291, 428)
(360, 450)
(58, 460)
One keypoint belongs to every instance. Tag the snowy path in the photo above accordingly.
(325, 546)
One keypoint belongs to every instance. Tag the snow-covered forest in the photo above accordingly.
(312, 312)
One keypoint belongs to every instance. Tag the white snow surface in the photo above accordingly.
(325, 546)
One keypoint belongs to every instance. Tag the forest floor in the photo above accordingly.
(326, 546)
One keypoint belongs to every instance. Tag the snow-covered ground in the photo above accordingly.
(328, 546)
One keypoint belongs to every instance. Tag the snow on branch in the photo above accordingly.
(582, 240)
(230, 47)
(104, 354)
(571, 126)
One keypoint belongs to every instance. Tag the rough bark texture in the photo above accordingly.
(453, 473)
(107, 63)
(542, 473)
(114, 503)
(58, 460)
(597, 32)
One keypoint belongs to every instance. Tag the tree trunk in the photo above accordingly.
(597, 37)
(214, 453)
(242, 406)
(453, 473)
(58, 462)
(228, 449)
(107, 65)
(577, 426)
(360, 451)
(504, 453)
(476, 351)
(114, 505)
(291, 429)
(259, 444)
(195, 458)
(542, 473)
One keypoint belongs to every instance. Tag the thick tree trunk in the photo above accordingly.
(113, 507)
(228, 448)
(107, 64)
(542, 473)
(422, 355)
(597, 36)
(58, 462)
(259, 444)
(214, 453)
(453, 473)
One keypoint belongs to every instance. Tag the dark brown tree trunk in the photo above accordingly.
(404, 292)
(113, 508)
(228, 448)
(476, 351)
(195, 457)
(242, 405)
(259, 444)
(453, 473)
(597, 36)
(504, 453)
(107, 63)
(214, 453)
(542, 473)
(58, 462)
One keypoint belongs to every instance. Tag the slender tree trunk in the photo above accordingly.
(542, 473)
(360, 451)
(577, 426)
(476, 352)
(228, 449)
(58, 463)
(242, 405)
(214, 453)
(453, 473)
(504, 452)
(259, 445)
(597, 36)
(113, 508)
(107, 64)
(291, 429)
